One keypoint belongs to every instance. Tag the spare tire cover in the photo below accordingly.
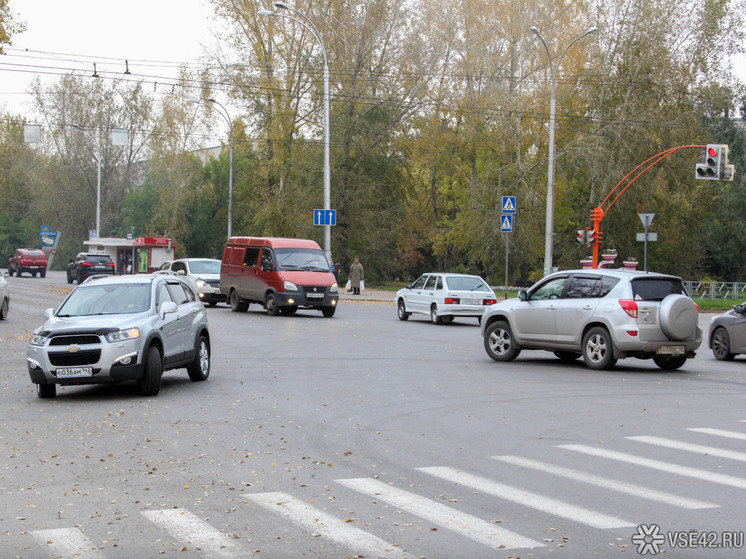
(678, 317)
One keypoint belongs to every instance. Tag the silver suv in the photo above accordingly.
(601, 315)
(119, 328)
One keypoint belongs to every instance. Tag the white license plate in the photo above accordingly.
(471, 301)
(315, 295)
(672, 350)
(75, 372)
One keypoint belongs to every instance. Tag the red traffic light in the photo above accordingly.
(711, 151)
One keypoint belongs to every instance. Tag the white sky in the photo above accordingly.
(135, 30)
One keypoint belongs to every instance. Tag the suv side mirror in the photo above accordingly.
(167, 308)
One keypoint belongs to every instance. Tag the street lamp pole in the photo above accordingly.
(224, 114)
(308, 24)
(98, 173)
(553, 68)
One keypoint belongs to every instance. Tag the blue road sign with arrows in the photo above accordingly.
(325, 217)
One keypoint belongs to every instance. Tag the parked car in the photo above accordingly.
(203, 274)
(4, 297)
(281, 274)
(444, 297)
(121, 328)
(602, 315)
(728, 333)
(28, 261)
(87, 264)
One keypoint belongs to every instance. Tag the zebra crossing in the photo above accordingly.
(184, 529)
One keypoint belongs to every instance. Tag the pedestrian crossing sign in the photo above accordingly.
(508, 204)
(506, 224)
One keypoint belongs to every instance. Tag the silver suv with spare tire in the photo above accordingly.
(602, 315)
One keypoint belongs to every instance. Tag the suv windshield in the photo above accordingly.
(106, 299)
(656, 289)
(301, 259)
(205, 267)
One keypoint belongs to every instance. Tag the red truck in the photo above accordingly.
(31, 261)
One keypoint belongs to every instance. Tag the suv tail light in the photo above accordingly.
(629, 306)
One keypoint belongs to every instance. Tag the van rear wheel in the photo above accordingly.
(236, 304)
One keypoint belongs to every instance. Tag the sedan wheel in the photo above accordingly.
(499, 342)
(199, 369)
(434, 316)
(598, 350)
(401, 310)
(721, 345)
(4, 310)
(670, 363)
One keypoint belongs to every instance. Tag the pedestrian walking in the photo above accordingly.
(357, 277)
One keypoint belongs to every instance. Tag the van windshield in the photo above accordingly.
(307, 259)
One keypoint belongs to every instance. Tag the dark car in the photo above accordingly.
(121, 328)
(728, 333)
(88, 264)
(29, 261)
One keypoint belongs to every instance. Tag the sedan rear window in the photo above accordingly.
(466, 284)
(656, 289)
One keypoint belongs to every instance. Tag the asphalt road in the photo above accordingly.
(364, 436)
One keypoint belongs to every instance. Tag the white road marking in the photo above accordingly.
(667, 467)
(185, 526)
(533, 500)
(319, 522)
(719, 433)
(465, 524)
(698, 448)
(608, 483)
(67, 542)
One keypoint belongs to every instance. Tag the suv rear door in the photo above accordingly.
(648, 293)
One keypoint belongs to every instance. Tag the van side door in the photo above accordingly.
(247, 284)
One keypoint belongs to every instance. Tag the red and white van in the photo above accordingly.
(280, 274)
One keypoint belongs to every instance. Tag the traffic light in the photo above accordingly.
(582, 236)
(592, 237)
(712, 169)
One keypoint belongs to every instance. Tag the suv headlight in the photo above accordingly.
(289, 286)
(39, 339)
(201, 283)
(122, 335)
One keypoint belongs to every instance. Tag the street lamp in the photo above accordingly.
(308, 24)
(225, 115)
(553, 68)
(98, 174)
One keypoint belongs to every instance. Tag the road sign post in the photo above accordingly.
(647, 219)
(508, 204)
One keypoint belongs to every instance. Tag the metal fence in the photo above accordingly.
(716, 290)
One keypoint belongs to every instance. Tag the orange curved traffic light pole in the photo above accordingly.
(598, 214)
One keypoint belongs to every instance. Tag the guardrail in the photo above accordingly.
(716, 290)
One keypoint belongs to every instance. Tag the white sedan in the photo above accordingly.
(203, 274)
(4, 296)
(444, 297)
